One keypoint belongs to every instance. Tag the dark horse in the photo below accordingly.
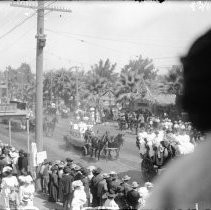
(98, 144)
(114, 144)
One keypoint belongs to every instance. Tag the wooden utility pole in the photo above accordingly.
(77, 96)
(41, 40)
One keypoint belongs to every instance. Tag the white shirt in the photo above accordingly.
(26, 194)
(110, 203)
(79, 198)
(8, 183)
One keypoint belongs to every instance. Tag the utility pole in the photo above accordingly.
(77, 96)
(41, 40)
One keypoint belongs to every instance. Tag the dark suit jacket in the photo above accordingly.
(66, 182)
(133, 197)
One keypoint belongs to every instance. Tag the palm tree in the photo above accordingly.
(135, 80)
(172, 83)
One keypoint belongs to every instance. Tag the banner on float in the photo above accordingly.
(41, 156)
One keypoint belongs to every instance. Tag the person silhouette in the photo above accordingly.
(186, 182)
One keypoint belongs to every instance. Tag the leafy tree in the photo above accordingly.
(135, 80)
(21, 83)
(100, 78)
(172, 83)
(61, 84)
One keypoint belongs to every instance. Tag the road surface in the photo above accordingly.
(128, 162)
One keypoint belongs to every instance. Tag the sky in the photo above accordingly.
(118, 30)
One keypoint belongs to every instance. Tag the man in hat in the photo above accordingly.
(125, 188)
(78, 174)
(114, 186)
(22, 161)
(94, 186)
(113, 182)
(66, 182)
(69, 162)
(133, 196)
(102, 189)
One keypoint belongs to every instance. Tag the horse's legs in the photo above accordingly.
(98, 157)
(96, 150)
(91, 152)
(117, 153)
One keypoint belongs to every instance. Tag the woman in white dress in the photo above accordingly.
(26, 194)
(9, 182)
(79, 196)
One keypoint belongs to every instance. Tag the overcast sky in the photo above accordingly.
(98, 30)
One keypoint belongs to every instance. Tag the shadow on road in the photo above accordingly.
(64, 147)
(89, 159)
(46, 204)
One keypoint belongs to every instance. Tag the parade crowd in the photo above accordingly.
(17, 185)
(78, 187)
(66, 182)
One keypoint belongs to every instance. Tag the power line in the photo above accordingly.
(101, 46)
(19, 24)
(113, 40)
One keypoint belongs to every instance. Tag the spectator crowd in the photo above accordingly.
(77, 187)
(17, 186)
(66, 183)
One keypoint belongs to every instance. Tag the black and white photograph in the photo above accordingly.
(105, 105)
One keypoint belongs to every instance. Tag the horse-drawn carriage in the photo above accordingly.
(155, 156)
(82, 137)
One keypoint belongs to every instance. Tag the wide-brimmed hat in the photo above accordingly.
(69, 160)
(6, 168)
(54, 168)
(67, 170)
(97, 171)
(91, 168)
(77, 183)
(57, 162)
(113, 173)
(148, 185)
(21, 151)
(111, 195)
(105, 175)
(28, 179)
(77, 168)
(12, 149)
(135, 185)
(61, 166)
(126, 178)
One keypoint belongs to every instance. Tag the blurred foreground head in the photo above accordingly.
(197, 83)
(186, 181)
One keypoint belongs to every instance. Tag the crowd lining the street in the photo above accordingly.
(65, 182)
(78, 187)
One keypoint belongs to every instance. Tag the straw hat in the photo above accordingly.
(148, 184)
(113, 173)
(105, 175)
(77, 183)
(6, 168)
(28, 179)
(77, 168)
(126, 178)
(135, 185)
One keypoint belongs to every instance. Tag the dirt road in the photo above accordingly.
(128, 162)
